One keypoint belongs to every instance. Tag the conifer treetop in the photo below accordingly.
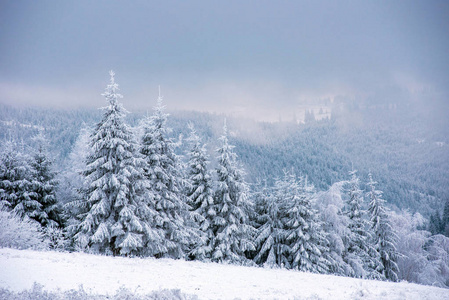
(111, 91)
(159, 109)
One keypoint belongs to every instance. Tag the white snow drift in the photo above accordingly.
(104, 275)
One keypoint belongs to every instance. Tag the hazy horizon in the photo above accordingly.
(256, 59)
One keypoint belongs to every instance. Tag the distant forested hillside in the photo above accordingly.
(407, 152)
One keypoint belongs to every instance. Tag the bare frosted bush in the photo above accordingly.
(20, 233)
(56, 238)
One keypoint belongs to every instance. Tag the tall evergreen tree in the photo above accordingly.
(232, 231)
(307, 244)
(114, 219)
(330, 204)
(271, 235)
(16, 192)
(200, 193)
(44, 187)
(384, 236)
(360, 254)
(162, 170)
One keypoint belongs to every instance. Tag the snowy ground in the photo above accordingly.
(19, 269)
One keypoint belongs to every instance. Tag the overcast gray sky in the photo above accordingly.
(252, 57)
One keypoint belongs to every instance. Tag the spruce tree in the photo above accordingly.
(162, 170)
(114, 219)
(330, 204)
(270, 237)
(307, 244)
(384, 236)
(360, 254)
(200, 193)
(44, 187)
(16, 192)
(232, 232)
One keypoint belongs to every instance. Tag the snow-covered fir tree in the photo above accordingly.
(232, 231)
(270, 238)
(44, 186)
(306, 240)
(16, 192)
(360, 254)
(330, 204)
(200, 193)
(173, 225)
(384, 237)
(113, 221)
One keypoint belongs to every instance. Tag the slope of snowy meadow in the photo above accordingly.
(103, 275)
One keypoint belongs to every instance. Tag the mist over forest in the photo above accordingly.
(403, 143)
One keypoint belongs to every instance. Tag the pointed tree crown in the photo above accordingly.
(111, 91)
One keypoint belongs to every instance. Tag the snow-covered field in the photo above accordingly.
(19, 269)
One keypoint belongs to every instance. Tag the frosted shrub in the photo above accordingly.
(20, 234)
(56, 237)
